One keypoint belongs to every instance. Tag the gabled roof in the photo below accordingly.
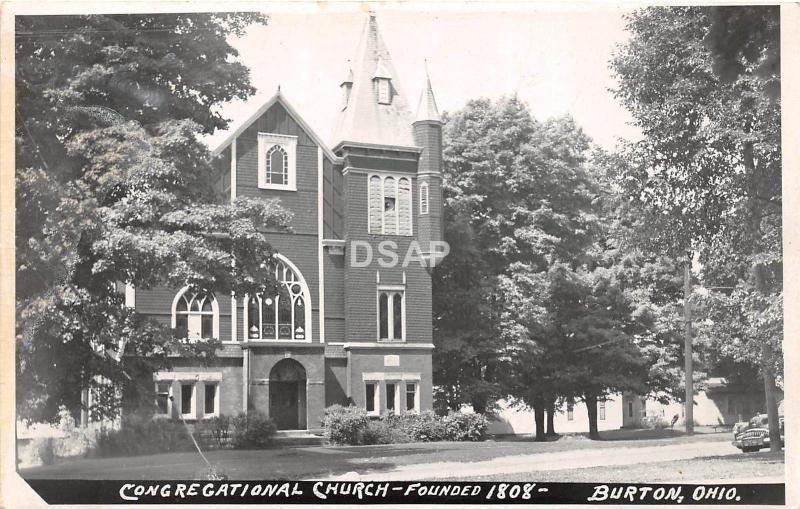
(277, 98)
(426, 108)
(364, 120)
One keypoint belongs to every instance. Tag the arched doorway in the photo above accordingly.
(287, 394)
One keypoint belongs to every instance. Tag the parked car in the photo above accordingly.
(753, 435)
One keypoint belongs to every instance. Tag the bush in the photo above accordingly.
(45, 450)
(422, 427)
(252, 430)
(214, 432)
(143, 435)
(655, 422)
(465, 427)
(382, 432)
(345, 425)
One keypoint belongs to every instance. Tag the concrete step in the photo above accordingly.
(300, 437)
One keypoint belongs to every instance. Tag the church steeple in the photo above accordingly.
(426, 108)
(376, 111)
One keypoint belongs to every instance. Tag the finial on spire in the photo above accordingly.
(427, 110)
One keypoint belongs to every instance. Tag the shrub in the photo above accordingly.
(345, 425)
(252, 430)
(45, 450)
(465, 427)
(142, 435)
(383, 432)
(655, 422)
(422, 427)
(214, 432)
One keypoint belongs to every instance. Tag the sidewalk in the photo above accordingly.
(549, 462)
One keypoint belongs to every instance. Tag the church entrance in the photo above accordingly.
(287, 395)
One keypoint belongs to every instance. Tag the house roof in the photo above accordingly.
(277, 98)
(363, 119)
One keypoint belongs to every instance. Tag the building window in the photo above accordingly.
(284, 315)
(187, 400)
(211, 401)
(423, 198)
(389, 207)
(277, 166)
(384, 91)
(277, 161)
(630, 408)
(163, 403)
(371, 398)
(570, 412)
(391, 314)
(391, 397)
(412, 397)
(602, 410)
(195, 315)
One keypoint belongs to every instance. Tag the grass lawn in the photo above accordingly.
(740, 466)
(323, 461)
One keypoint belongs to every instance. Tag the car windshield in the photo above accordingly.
(759, 420)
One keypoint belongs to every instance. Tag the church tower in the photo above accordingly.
(391, 166)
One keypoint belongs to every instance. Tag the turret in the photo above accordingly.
(427, 131)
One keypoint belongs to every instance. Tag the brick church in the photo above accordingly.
(339, 332)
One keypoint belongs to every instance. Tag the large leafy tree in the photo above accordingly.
(701, 84)
(114, 186)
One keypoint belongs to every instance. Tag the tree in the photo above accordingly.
(700, 83)
(114, 186)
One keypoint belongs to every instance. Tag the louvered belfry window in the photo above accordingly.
(389, 208)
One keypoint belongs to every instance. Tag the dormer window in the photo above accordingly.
(383, 86)
(384, 91)
(277, 161)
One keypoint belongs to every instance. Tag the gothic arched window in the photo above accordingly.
(195, 315)
(284, 314)
(277, 166)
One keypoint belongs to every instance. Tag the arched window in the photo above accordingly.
(285, 314)
(389, 205)
(277, 166)
(195, 315)
(391, 313)
(423, 198)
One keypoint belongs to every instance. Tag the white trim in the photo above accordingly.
(169, 398)
(187, 376)
(233, 170)
(215, 385)
(233, 317)
(309, 333)
(391, 376)
(388, 344)
(277, 98)
(130, 296)
(288, 144)
(416, 408)
(369, 171)
(398, 386)
(391, 291)
(376, 397)
(321, 243)
(193, 413)
(214, 311)
(383, 176)
(424, 192)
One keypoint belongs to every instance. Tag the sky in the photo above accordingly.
(554, 60)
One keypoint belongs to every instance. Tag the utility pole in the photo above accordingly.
(689, 367)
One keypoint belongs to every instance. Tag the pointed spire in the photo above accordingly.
(426, 108)
(365, 119)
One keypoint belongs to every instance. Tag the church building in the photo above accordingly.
(339, 332)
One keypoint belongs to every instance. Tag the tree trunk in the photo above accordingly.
(591, 408)
(761, 287)
(478, 405)
(538, 416)
(551, 410)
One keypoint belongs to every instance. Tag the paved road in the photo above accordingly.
(549, 462)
